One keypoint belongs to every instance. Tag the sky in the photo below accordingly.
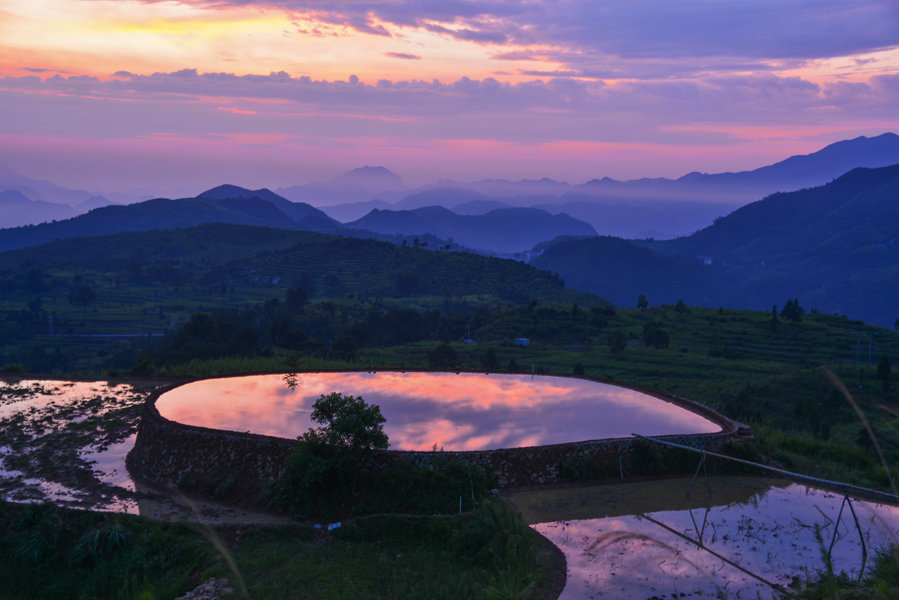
(118, 94)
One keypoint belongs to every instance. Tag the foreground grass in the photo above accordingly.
(49, 552)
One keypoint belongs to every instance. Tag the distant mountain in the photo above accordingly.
(502, 231)
(45, 201)
(160, 213)
(794, 173)
(484, 206)
(357, 185)
(40, 190)
(16, 209)
(624, 271)
(309, 217)
(354, 210)
(91, 203)
(636, 220)
(834, 247)
(649, 207)
(503, 188)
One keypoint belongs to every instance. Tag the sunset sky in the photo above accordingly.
(112, 94)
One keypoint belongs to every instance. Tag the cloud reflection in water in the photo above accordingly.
(467, 411)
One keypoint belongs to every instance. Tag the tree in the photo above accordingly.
(617, 341)
(83, 296)
(680, 306)
(883, 371)
(578, 369)
(490, 361)
(654, 335)
(320, 477)
(443, 356)
(347, 422)
(296, 297)
(642, 302)
(792, 311)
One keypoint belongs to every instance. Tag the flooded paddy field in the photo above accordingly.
(65, 442)
(733, 537)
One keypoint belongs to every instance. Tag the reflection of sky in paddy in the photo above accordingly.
(467, 411)
(771, 536)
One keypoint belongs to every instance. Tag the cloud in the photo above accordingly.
(558, 107)
(402, 55)
(469, 35)
(748, 29)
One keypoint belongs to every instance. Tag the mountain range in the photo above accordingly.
(835, 247)
(659, 208)
(504, 231)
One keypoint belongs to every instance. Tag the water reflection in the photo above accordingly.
(752, 532)
(87, 425)
(466, 411)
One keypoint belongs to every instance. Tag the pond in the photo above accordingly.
(734, 537)
(449, 411)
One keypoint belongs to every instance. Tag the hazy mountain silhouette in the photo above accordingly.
(506, 230)
(650, 207)
(357, 185)
(16, 209)
(309, 217)
(835, 247)
(794, 173)
(40, 190)
(219, 205)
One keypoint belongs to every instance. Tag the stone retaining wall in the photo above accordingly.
(244, 464)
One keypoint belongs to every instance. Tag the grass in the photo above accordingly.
(49, 552)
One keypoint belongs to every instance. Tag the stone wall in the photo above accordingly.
(244, 464)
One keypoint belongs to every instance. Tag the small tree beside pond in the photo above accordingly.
(335, 472)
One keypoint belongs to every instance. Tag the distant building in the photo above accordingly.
(522, 341)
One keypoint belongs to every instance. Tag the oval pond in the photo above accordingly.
(449, 411)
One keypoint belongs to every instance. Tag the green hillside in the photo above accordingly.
(835, 247)
(111, 292)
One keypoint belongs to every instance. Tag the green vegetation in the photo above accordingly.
(335, 473)
(90, 304)
(49, 552)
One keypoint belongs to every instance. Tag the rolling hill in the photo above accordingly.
(834, 247)
(327, 265)
(223, 204)
(505, 230)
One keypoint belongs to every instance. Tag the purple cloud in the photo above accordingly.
(558, 108)
(402, 55)
(469, 35)
(753, 29)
